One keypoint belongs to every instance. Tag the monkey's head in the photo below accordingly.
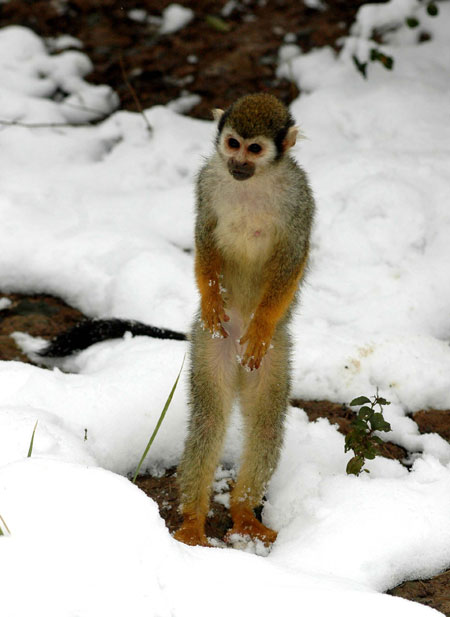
(254, 132)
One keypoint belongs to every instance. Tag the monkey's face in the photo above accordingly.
(245, 157)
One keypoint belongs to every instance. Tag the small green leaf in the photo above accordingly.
(365, 413)
(355, 465)
(388, 64)
(360, 425)
(370, 453)
(412, 22)
(359, 400)
(362, 68)
(386, 61)
(432, 9)
(378, 423)
(350, 442)
(217, 23)
(382, 401)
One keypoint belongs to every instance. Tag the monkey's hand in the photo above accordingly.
(213, 312)
(258, 336)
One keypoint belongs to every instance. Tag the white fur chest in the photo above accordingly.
(247, 217)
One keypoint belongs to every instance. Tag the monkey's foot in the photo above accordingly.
(192, 530)
(246, 524)
(192, 535)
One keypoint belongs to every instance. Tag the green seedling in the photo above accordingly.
(361, 438)
(158, 424)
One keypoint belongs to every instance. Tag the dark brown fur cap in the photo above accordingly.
(258, 114)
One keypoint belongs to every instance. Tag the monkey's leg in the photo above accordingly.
(214, 373)
(264, 396)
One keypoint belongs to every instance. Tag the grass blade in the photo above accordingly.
(158, 424)
(30, 449)
(4, 525)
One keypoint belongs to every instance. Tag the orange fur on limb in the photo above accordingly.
(245, 523)
(192, 531)
(269, 312)
(207, 274)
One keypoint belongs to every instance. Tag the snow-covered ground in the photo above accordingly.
(102, 216)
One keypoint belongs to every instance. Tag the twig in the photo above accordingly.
(49, 125)
(40, 125)
(133, 94)
(85, 108)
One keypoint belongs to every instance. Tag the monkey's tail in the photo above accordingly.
(90, 331)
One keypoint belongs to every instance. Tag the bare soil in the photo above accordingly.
(216, 56)
(38, 315)
(218, 60)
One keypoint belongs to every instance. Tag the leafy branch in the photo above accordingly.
(375, 55)
(361, 438)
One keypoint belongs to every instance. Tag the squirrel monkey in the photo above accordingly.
(253, 222)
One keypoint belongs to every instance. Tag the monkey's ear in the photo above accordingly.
(217, 114)
(291, 138)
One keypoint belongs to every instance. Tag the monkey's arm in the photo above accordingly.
(283, 276)
(208, 268)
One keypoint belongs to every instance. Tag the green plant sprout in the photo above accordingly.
(30, 449)
(158, 424)
(361, 438)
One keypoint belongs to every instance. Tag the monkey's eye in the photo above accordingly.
(233, 143)
(255, 148)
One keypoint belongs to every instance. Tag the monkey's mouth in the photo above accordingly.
(241, 175)
(241, 171)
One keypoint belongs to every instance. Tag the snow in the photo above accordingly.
(103, 217)
(175, 17)
(5, 303)
(140, 15)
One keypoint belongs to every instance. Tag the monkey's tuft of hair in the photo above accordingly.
(90, 331)
(258, 114)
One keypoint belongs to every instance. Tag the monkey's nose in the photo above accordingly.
(241, 171)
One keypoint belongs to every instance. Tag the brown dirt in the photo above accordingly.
(38, 315)
(217, 65)
(434, 592)
(433, 421)
(164, 491)
(161, 68)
